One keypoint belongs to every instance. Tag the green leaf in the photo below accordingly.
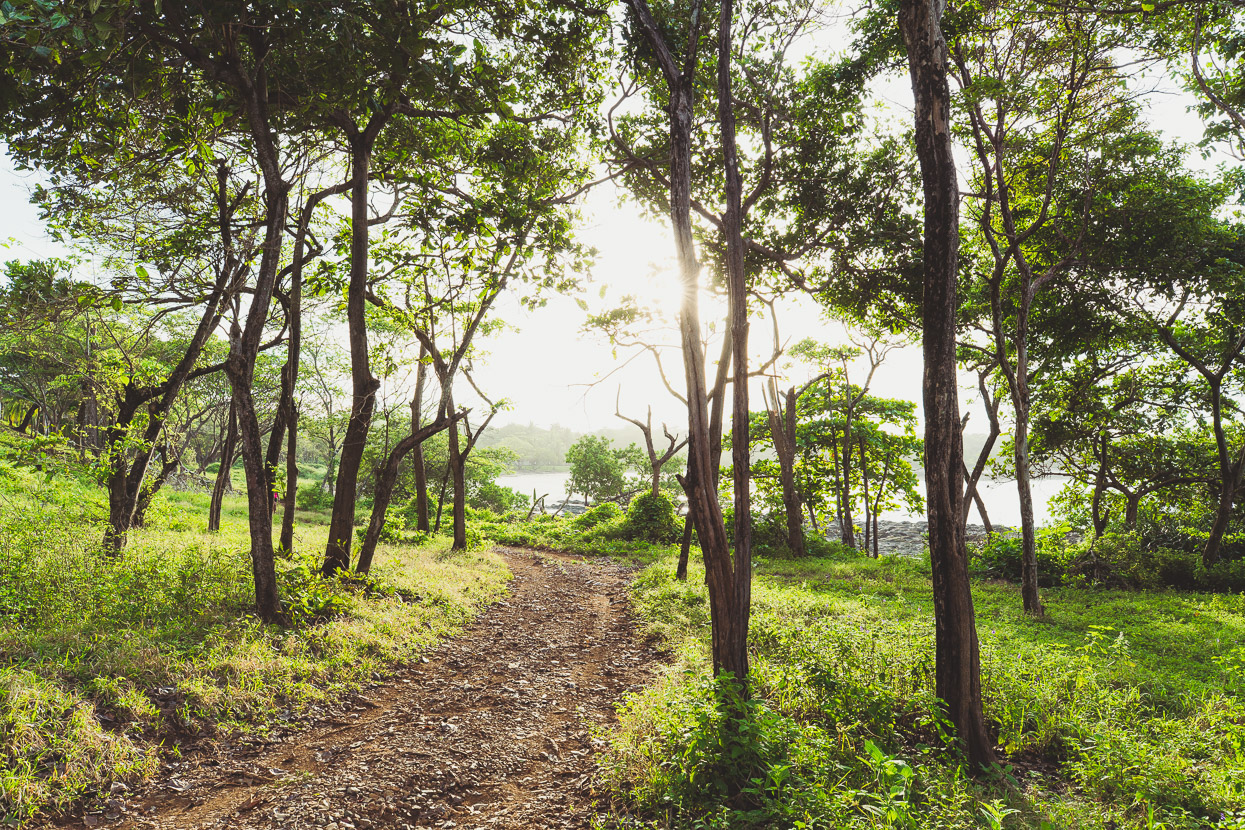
(116, 303)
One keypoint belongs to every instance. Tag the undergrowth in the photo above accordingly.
(104, 661)
(1121, 709)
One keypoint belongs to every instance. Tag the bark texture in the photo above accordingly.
(957, 662)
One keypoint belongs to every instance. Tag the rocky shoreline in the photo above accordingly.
(897, 538)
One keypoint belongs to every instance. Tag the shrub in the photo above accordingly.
(999, 557)
(600, 514)
(394, 529)
(313, 497)
(499, 499)
(651, 518)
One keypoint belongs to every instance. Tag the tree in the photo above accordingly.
(1041, 97)
(728, 578)
(957, 669)
(654, 460)
(597, 469)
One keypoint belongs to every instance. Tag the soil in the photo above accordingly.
(497, 728)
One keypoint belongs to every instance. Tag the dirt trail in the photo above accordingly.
(494, 730)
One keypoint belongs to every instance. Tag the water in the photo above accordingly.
(999, 496)
(553, 484)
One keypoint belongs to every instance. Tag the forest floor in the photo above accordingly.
(495, 728)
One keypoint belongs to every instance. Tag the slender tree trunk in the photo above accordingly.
(728, 614)
(364, 385)
(28, 418)
(864, 486)
(737, 289)
(981, 511)
(1100, 516)
(1223, 515)
(457, 469)
(384, 487)
(1028, 533)
(685, 549)
(120, 504)
(445, 480)
(782, 429)
(291, 484)
(847, 527)
(957, 662)
(125, 480)
(880, 487)
(276, 437)
(973, 479)
(168, 463)
(330, 467)
(417, 453)
(838, 482)
(1231, 471)
(223, 473)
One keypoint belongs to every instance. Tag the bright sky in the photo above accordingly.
(545, 367)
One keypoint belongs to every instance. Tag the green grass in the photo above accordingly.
(1119, 709)
(104, 662)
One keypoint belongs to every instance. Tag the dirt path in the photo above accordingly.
(494, 729)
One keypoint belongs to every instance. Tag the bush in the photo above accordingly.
(999, 557)
(603, 513)
(313, 497)
(394, 529)
(499, 499)
(651, 518)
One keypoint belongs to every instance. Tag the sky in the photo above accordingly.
(548, 369)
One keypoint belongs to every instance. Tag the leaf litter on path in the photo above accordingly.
(493, 729)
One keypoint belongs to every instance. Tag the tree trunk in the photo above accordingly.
(1230, 475)
(973, 479)
(276, 437)
(847, 527)
(120, 505)
(330, 467)
(957, 662)
(364, 385)
(1230, 481)
(384, 487)
(782, 429)
(685, 549)
(740, 597)
(729, 616)
(291, 484)
(125, 479)
(1028, 533)
(28, 418)
(168, 463)
(1132, 503)
(417, 454)
(1100, 516)
(864, 487)
(458, 470)
(223, 473)
(981, 511)
(877, 500)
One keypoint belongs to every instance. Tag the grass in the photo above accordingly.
(105, 664)
(1118, 710)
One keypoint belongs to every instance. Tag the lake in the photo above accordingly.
(999, 496)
